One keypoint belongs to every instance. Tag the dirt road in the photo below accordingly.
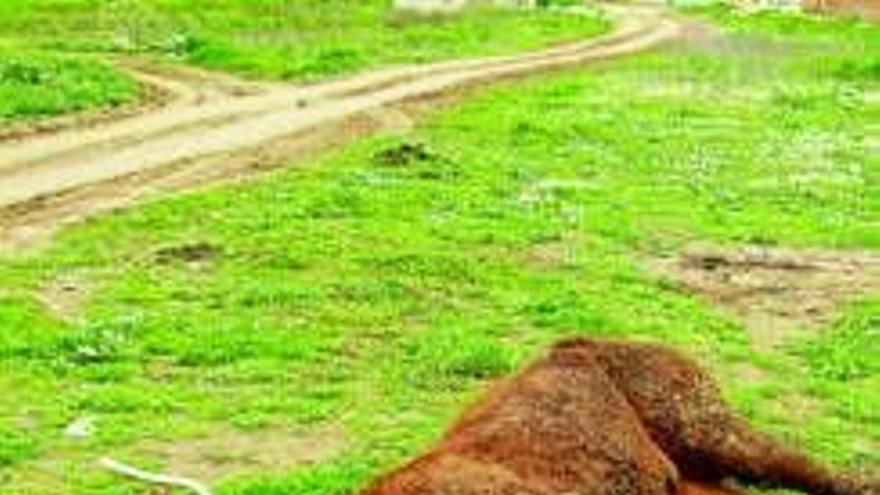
(207, 124)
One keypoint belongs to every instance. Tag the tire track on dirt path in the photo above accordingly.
(161, 86)
(49, 180)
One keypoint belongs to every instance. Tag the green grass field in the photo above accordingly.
(36, 84)
(372, 300)
(255, 38)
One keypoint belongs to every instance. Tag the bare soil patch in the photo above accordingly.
(403, 155)
(556, 254)
(807, 407)
(231, 453)
(776, 292)
(868, 9)
(66, 295)
(193, 252)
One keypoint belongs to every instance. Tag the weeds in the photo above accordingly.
(35, 84)
(379, 300)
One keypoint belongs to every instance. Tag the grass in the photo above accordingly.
(49, 48)
(284, 39)
(36, 84)
(377, 297)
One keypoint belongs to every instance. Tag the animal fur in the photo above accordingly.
(607, 418)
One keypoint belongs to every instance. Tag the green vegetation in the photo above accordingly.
(848, 351)
(37, 83)
(257, 38)
(328, 39)
(284, 39)
(373, 293)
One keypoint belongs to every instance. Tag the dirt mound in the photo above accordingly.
(188, 253)
(776, 292)
(404, 154)
(606, 418)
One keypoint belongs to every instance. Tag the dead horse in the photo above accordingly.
(598, 417)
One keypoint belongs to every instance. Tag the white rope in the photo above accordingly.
(155, 479)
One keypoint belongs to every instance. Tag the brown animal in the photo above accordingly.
(688, 487)
(607, 418)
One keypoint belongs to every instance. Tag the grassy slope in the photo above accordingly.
(264, 39)
(283, 39)
(37, 83)
(377, 298)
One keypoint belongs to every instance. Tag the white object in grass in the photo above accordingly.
(153, 478)
(81, 429)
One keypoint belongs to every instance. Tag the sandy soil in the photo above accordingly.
(777, 293)
(211, 128)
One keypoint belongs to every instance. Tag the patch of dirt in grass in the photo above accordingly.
(776, 292)
(550, 255)
(231, 453)
(868, 9)
(188, 253)
(392, 121)
(802, 406)
(865, 447)
(553, 255)
(403, 155)
(65, 296)
(749, 373)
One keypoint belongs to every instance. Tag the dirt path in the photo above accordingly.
(49, 179)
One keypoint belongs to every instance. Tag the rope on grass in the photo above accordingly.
(127, 471)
